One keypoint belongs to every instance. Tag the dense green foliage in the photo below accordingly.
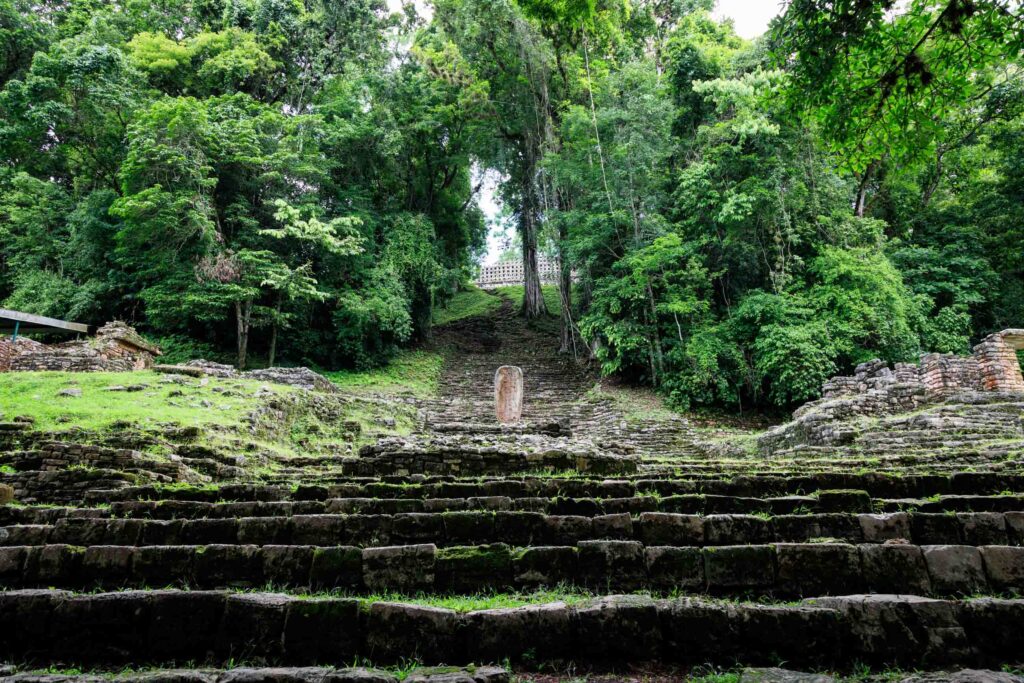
(227, 171)
(744, 219)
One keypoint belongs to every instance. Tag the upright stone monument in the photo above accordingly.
(508, 393)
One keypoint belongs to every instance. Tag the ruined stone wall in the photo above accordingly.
(10, 348)
(116, 348)
(997, 359)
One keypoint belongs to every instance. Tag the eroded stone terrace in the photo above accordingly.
(587, 538)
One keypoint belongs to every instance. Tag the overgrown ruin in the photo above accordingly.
(854, 535)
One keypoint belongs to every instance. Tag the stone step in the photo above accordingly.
(699, 504)
(153, 627)
(530, 528)
(776, 570)
(752, 486)
(483, 674)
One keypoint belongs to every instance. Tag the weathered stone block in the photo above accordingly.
(539, 631)
(818, 568)
(736, 530)
(399, 568)
(519, 528)
(955, 569)
(660, 528)
(1014, 527)
(1004, 566)
(322, 630)
(253, 628)
(24, 628)
(396, 631)
(545, 566)
(844, 500)
(670, 567)
(287, 565)
(885, 527)
(565, 529)
(225, 566)
(895, 568)
(935, 529)
(163, 565)
(468, 527)
(264, 530)
(617, 526)
(982, 528)
(900, 629)
(209, 531)
(418, 527)
(108, 566)
(103, 629)
(54, 565)
(995, 626)
(336, 567)
(6, 494)
(619, 628)
(322, 530)
(739, 566)
(12, 562)
(184, 625)
(616, 565)
(470, 569)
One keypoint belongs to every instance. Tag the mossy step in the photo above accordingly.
(152, 627)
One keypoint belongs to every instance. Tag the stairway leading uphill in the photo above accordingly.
(586, 539)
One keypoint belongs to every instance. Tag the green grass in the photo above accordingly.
(411, 372)
(466, 304)
(221, 402)
(552, 298)
(470, 603)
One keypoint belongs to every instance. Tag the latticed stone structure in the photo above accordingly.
(511, 273)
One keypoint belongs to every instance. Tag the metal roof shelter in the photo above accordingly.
(16, 322)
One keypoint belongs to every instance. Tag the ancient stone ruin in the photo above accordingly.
(117, 347)
(871, 535)
(508, 394)
(990, 375)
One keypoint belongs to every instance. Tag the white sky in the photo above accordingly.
(750, 18)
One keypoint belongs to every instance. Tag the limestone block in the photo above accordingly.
(935, 529)
(739, 566)
(618, 565)
(619, 627)
(508, 393)
(400, 568)
(955, 569)
(287, 564)
(544, 631)
(818, 568)
(1004, 566)
(660, 528)
(6, 494)
(545, 566)
(107, 565)
(670, 567)
(184, 623)
(336, 567)
(982, 528)
(254, 625)
(471, 569)
(736, 529)
(321, 630)
(895, 568)
(885, 527)
(396, 631)
(225, 566)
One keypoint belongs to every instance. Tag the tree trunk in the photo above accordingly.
(861, 203)
(243, 316)
(533, 296)
(565, 297)
(273, 331)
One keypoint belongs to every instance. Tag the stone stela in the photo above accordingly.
(508, 394)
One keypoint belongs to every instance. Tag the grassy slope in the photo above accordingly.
(413, 372)
(466, 304)
(221, 402)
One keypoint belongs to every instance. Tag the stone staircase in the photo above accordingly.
(583, 541)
